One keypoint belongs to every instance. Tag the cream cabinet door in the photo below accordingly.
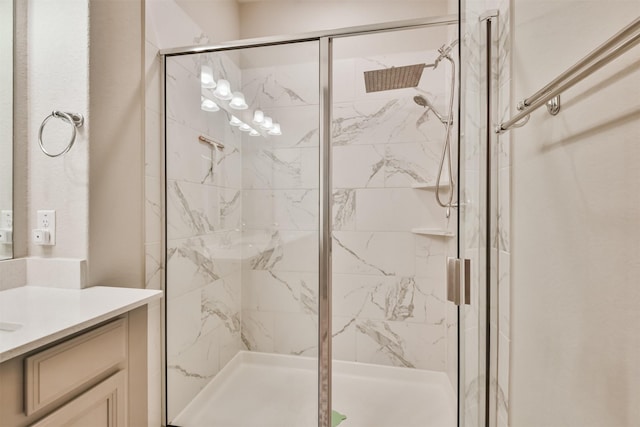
(102, 406)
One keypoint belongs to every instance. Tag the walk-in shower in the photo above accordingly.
(305, 264)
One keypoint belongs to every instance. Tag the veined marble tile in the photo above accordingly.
(343, 79)
(388, 121)
(396, 209)
(411, 345)
(220, 305)
(284, 85)
(189, 371)
(183, 96)
(152, 210)
(286, 167)
(310, 167)
(192, 209)
(257, 170)
(504, 209)
(368, 253)
(299, 125)
(471, 221)
(183, 321)
(401, 299)
(271, 169)
(431, 257)
(227, 168)
(188, 159)
(230, 209)
(344, 209)
(290, 292)
(280, 209)
(288, 251)
(296, 333)
(504, 294)
(296, 209)
(452, 343)
(367, 171)
(153, 266)
(414, 163)
(258, 209)
(343, 338)
(258, 331)
(195, 262)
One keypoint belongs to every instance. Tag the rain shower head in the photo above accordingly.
(393, 78)
(402, 77)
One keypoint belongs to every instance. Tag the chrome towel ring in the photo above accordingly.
(76, 120)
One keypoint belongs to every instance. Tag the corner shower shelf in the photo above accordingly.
(432, 186)
(433, 232)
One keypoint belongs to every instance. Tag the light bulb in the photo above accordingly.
(206, 77)
(267, 123)
(237, 102)
(258, 117)
(235, 121)
(208, 105)
(275, 130)
(223, 90)
(254, 133)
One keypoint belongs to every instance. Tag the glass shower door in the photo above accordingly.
(242, 236)
(394, 332)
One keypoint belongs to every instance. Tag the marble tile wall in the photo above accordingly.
(389, 300)
(280, 201)
(204, 205)
(389, 296)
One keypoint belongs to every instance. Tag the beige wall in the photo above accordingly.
(57, 79)
(266, 18)
(116, 156)
(576, 235)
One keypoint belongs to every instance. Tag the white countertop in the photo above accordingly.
(48, 314)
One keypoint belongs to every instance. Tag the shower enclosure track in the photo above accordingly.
(618, 44)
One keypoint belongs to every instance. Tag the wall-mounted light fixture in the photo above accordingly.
(237, 101)
(206, 77)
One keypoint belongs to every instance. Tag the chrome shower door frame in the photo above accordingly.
(325, 40)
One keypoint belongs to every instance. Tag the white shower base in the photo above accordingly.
(270, 390)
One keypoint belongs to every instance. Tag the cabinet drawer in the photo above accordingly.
(71, 365)
(102, 406)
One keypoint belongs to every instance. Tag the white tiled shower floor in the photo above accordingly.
(268, 390)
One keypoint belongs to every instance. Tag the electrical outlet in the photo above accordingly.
(46, 221)
(6, 219)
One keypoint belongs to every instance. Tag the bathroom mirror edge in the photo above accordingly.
(6, 127)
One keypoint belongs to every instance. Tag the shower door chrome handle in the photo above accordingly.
(459, 275)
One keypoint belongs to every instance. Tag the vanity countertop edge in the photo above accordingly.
(45, 315)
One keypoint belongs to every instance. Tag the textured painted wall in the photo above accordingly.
(575, 245)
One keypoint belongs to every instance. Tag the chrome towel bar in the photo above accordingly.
(618, 44)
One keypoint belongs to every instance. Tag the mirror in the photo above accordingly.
(6, 129)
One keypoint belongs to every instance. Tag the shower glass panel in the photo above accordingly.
(242, 236)
(394, 332)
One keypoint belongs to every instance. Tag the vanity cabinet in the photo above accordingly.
(96, 377)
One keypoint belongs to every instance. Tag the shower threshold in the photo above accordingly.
(271, 390)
